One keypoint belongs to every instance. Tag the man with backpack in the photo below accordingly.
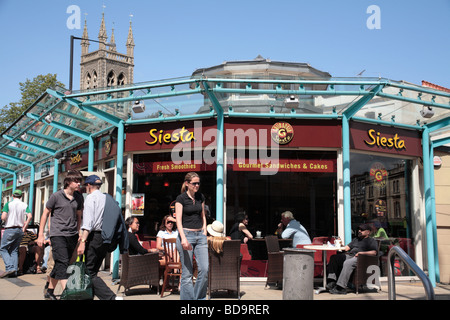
(103, 228)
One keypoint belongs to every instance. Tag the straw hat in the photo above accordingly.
(215, 229)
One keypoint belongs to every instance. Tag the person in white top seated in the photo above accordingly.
(292, 230)
(167, 230)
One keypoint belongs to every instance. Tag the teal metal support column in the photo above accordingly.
(428, 203)
(433, 213)
(346, 177)
(55, 175)
(346, 116)
(31, 191)
(91, 154)
(119, 170)
(220, 151)
(220, 167)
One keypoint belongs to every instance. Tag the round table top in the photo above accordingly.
(321, 247)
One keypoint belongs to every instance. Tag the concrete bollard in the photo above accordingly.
(298, 274)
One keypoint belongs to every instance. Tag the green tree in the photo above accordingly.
(31, 90)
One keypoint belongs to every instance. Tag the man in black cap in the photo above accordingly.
(92, 243)
(341, 265)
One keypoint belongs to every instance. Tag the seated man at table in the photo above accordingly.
(293, 230)
(341, 265)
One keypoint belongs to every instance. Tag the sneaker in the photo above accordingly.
(118, 298)
(338, 290)
(7, 274)
(49, 296)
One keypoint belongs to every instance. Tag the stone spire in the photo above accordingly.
(85, 41)
(112, 43)
(102, 36)
(130, 42)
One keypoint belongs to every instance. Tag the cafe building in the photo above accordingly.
(264, 136)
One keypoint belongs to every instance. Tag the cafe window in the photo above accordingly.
(157, 182)
(298, 186)
(388, 180)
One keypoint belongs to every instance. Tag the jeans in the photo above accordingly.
(9, 248)
(199, 245)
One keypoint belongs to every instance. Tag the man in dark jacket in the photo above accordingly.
(93, 243)
(342, 265)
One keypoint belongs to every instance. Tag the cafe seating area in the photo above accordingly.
(238, 260)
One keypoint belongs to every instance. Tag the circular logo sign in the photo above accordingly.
(108, 145)
(282, 133)
(379, 173)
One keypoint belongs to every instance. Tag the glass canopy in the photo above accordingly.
(59, 121)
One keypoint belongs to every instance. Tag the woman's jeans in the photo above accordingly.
(199, 245)
(9, 248)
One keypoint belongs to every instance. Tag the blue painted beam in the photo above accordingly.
(356, 106)
(428, 203)
(346, 179)
(219, 155)
(31, 145)
(119, 185)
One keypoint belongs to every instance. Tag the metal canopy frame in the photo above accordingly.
(59, 121)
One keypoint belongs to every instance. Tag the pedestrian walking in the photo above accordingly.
(13, 216)
(65, 208)
(191, 225)
(98, 235)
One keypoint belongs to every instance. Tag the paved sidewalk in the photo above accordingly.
(30, 287)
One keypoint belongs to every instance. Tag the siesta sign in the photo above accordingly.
(386, 139)
(376, 138)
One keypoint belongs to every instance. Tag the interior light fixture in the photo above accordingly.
(138, 106)
(427, 112)
(48, 118)
(291, 102)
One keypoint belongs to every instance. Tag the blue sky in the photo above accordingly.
(173, 38)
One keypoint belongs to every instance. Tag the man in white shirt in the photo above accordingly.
(13, 214)
(91, 242)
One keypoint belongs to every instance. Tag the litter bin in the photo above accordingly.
(298, 274)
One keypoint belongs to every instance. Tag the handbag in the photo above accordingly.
(79, 284)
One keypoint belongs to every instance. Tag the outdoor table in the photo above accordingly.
(324, 248)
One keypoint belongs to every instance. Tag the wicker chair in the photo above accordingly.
(224, 268)
(139, 270)
(172, 268)
(361, 274)
(274, 261)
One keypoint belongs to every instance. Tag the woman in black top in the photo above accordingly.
(135, 247)
(239, 230)
(191, 225)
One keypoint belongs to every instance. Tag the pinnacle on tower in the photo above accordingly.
(112, 43)
(130, 41)
(102, 36)
(85, 41)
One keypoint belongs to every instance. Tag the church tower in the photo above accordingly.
(106, 67)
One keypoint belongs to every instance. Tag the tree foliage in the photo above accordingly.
(31, 90)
